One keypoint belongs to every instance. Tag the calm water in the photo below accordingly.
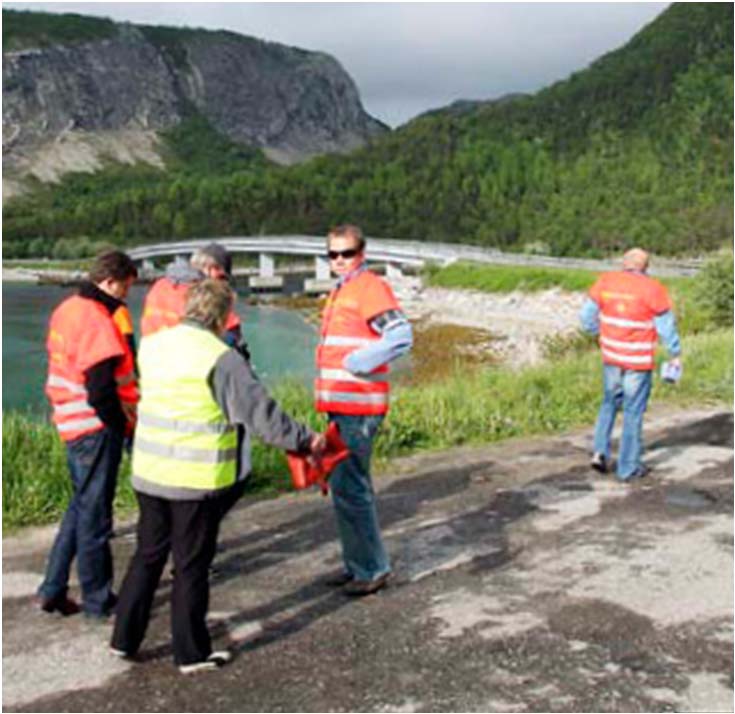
(281, 342)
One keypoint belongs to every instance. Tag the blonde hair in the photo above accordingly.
(208, 302)
(348, 230)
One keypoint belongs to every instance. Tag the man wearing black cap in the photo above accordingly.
(165, 301)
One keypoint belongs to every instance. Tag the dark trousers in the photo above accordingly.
(189, 530)
(86, 528)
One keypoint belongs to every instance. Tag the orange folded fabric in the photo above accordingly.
(305, 474)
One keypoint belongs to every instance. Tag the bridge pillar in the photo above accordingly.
(321, 266)
(266, 279)
(393, 271)
(267, 266)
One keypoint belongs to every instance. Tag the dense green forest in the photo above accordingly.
(637, 148)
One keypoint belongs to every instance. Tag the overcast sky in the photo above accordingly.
(407, 58)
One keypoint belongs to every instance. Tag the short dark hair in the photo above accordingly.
(348, 230)
(112, 264)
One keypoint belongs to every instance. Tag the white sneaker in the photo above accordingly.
(122, 654)
(214, 661)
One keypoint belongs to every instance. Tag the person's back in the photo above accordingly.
(628, 302)
(630, 311)
(165, 302)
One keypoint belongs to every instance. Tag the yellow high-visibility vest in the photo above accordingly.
(183, 440)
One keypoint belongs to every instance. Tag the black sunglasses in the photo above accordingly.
(349, 253)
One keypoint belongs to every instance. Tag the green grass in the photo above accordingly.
(507, 278)
(23, 29)
(692, 315)
(468, 408)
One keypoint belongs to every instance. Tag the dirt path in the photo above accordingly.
(523, 582)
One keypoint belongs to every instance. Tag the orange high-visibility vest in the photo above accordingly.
(165, 304)
(127, 379)
(346, 328)
(81, 335)
(628, 303)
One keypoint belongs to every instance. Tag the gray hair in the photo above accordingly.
(208, 302)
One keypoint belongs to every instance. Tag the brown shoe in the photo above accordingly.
(339, 579)
(61, 604)
(359, 588)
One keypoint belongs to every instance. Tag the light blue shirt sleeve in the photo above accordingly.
(589, 316)
(666, 328)
(395, 340)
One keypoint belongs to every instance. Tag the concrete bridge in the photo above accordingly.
(395, 254)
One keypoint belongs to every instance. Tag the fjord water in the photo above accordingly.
(281, 342)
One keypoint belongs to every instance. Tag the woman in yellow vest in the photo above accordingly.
(200, 402)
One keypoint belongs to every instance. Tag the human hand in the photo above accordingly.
(676, 362)
(130, 411)
(318, 445)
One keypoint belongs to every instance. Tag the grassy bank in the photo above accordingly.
(467, 407)
(691, 296)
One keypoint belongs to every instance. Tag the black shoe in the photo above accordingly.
(338, 580)
(641, 472)
(107, 611)
(599, 462)
(62, 604)
(359, 588)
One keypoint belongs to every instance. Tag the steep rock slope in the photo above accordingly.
(109, 95)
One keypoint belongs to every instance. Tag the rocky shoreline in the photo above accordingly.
(519, 323)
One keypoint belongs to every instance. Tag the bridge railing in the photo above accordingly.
(399, 252)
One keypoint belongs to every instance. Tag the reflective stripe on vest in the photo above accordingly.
(186, 427)
(342, 375)
(183, 440)
(55, 381)
(635, 346)
(620, 322)
(90, 424)
(620, 357)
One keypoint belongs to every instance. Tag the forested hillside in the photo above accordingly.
(637, 148)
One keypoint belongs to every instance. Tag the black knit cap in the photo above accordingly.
(220, 255)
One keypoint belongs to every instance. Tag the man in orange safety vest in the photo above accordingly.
(363, 328)
(630, 311)
(92, 387)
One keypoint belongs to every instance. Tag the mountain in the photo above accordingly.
(78, 89)
(635, 149)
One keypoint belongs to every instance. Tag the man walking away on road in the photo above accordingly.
(188, 459)
(93, 393)
(630, 311)
(165, 302)
(363, 328)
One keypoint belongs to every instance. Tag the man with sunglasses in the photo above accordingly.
(363, 329)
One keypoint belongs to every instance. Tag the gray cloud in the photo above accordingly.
(409, 57)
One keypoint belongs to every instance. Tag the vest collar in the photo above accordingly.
(351, 275)
(90, 291)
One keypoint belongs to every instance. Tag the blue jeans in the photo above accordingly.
(363, 552)
(630, 390)
(87, 524)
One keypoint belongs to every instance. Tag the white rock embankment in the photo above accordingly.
(520, 322)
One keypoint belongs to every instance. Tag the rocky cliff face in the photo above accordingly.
(71, 107)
